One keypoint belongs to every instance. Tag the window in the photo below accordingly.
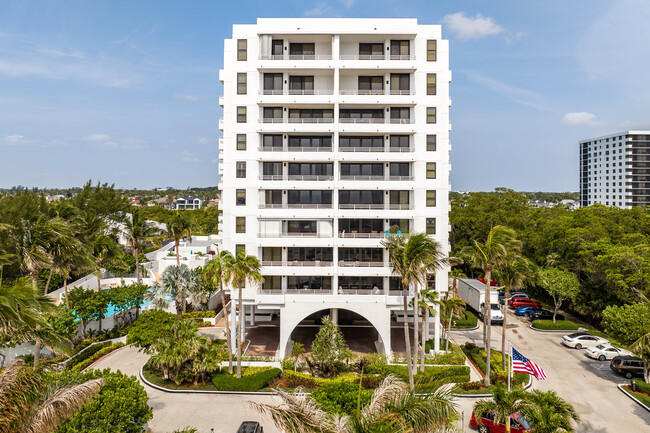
(272, 254)
(370, 50)
(241, 141)
(242, 44)
(353, 141)
(272, 141)
(309, 254)
(272, 84)
(272, 168)
(431, 198)
(301, 84)
(306, 113)
(431, 143)
(309, 283)
(305, 142)
(241, 114)
(399, 141)
(273, 197)
(399, 224)
(431, 114)
(431, 170)
(371, 84)
(276, 48)
(400, 169)
(431, 84)
(400, 115)
(399, 198)
(241, 83)
(307, 197)
(432, 47)
(240, 224)
(362, 169)
(241, 169)
(271, 114)
(301, 50)
(239, 248)
(399, 84)
(302, 226)
(310, 169)
(360, 197)
(431, 226)
(240, 195)
(399, 50)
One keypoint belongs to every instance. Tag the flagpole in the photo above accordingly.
(509, 363)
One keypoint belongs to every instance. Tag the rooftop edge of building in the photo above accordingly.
(406, 26)
(629, 132)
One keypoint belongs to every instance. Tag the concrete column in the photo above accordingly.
(242, 320)
(233, 323)
(252, 315)
(334, 315)
(426, 329)
(436, 330)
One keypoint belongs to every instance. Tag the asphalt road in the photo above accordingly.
(586, 383)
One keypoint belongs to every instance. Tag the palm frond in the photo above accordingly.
(10, 374)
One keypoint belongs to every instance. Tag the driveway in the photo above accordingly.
(173, 411)
(589, 385)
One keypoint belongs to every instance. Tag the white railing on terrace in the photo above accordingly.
(401, 149)
(270, 291)
(272, 263)
(293, 149)
(362, 235)
(391, 177)
(317, 177)
(296, 57)
(308, 291)
(272, 177)
(376, 57)
(400, 206)
(363, 177)
(296, 92)
(378, 206)
(401, 121)
(375, 92)
(308, 263)
(362, 120)
(359, 264)
(360, 292)
(362, 149)
(309, 206)
(293, 235)
(296, 120)
(271, 206)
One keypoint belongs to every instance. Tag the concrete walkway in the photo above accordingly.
(224, 413)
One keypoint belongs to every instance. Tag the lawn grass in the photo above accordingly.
(469, 320)
(643, 398)
(559, 325)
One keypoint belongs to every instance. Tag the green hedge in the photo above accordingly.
(86, 354)
(643, 398)
(559, 325)
(469, 320)
(150, 326)
(208, 314)
(641, 386)
(340, 396)
(497, 374)
(104, 351)
(253, 379)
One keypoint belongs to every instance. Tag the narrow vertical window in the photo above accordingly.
(241, 115)
(431, 84)
(431, 143)
(241, 83)
(241, 141)
(431, 198)
(431, 226)
(431, 170)
(241, 169)
(242, 44)
(240, 197)
(239, 248)
(432, 47)
(240, 224)
(431, 114)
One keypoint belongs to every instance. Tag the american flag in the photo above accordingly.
(521, 364)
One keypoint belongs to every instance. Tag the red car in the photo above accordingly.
(518, 424)
(524, 302)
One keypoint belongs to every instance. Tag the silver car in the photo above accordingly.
(579, 340)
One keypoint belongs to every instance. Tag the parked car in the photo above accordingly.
(523, 302)
(602, 352)
(522, 311)
(628, 366)
(502, 298)
(543, 315)
(579, 340)
(250, 427)
(518, 424)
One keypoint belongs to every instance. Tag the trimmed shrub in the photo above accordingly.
(469, 320)
(104, 351)
(292, 379)
(150, 326)
(249, 382)
(86, 354)
(208, 314)
(471, 386)
(559, 325)
(642, 387)
(341, 396)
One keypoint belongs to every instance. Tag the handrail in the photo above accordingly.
(362, 235)
(315, 177)
(296, 92)
(376, 206)
(360, 264)
(295, 57)
(362, 149)
(362, 120)
(309, 263)
(376, 57)
(362, 177)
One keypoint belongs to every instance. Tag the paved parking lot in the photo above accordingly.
(588, 384)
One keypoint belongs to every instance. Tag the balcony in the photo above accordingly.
(309, 263)
(296, 120)
(272, 263)
(376, 57)
(354, 235)
(285, 234)
(363, 177)
(398, 121)
(293, 149)
(295, 206)
(358, 264)
(296, 92)
(296, 57)
(376, 92)
(372, 206)
(312, 177)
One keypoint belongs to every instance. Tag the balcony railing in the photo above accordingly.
(375, 92)
(293, 235)
(360, 264)
(376, 57)
(297, 92)
(378, 206)
(400, 206)
(270, 291)
(310, 120)
(376, 149)
(271, 206)
(272, 177)
(361, 235)
(309, 206)
(391, 177)
(293, 149)
(362, 120)
(401, 121)
(308, 263)
(296, 57)
(276, 177)
(272, 263)
(360, 292)
(363, 177)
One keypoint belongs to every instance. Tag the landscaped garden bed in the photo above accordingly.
(642, 392)
(469, 320)
(559, 325)
(477, 357)
(81, 362)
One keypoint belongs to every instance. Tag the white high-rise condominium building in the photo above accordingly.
(615, 170)
(334, 132)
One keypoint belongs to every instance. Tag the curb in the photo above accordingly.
(465, 329)
(632, 397)
(104, 356)
(196, 391)
(580, 329)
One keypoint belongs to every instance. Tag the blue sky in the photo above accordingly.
(126, 91)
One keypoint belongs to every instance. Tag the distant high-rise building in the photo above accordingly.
(615, 170)
(335, 131)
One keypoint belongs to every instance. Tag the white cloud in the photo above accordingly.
(205, 140)
(96, 138)
(15, 140)
(348, 3)
(188, 157)
(581, 118)
(526, 97)
(466, 28)
(188, 98)
(319, 10)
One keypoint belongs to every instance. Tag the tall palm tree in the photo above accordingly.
(105, 252)
(180, 226)
(412, 258)
(30, 403)
(451, 305)
(428, 299)
(246, 269)
(500, 242)
(174, 285)
(512, 273)
(642, 348)
(220, 269)
(394, 408)
(139, 232)
(503, 405)
(6, 259)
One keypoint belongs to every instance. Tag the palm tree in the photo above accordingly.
(456, 273)
(393, 408)
(512, 272)
(503, 405)
(30, 403)
(451, 305)
(549, 413)
(500, 243)
(139, 232)
(6, 259)
(246, 269)
(175, 284)
(412, 258)
(106, 253)
(180, 226)
(428, 298)
(220, 270)
(642, 348)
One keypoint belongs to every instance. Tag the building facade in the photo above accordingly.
(334, 131)
(188, 203)
(615, 170)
